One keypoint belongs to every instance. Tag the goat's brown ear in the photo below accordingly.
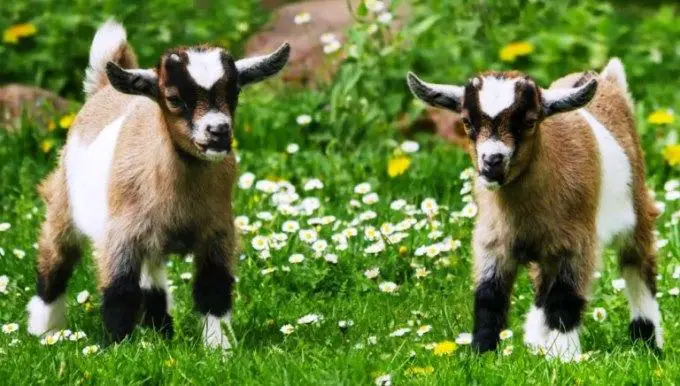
(259, 68)
(437, 95)
(134, 82)
(560, 100)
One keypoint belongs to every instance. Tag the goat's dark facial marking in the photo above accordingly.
(500, 111)
(200, 89)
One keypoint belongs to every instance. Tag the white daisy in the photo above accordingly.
(287, 329)
(400, 332)
(308, 235)
(410, 146)
(599, 314)
(313, 184)
(82, 297)
(296, 258)
(5, 226)
(388, 286)
(310, 318)
(303, 120)
(90, 349)
(302, 18)
(246, 181)
(372, 273)
(290, 226)
(259, 243)
(362, 188)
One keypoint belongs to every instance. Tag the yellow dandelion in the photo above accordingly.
(444, 348)
(672, 154)
(18, 31)
(661, 117)
(514, 50)
(67, 120)
(403, 250)
(398, 165)
(234, 143)
(415, 371)
(47, 145)
(51, 126)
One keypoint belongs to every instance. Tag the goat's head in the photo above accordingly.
(197, 89)
(502, 113)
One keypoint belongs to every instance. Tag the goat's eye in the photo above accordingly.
(176, 102)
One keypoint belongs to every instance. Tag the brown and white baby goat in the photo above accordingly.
(147, 171)
(560, 176)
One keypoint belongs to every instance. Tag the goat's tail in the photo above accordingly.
(614, 71)
(109, 45)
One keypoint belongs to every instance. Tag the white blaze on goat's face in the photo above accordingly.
(496, 95)
(205, 67)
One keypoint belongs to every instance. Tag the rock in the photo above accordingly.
(39, 105)
(445, 124)
(308, 64)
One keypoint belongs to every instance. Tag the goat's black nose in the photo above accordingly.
(493, 159)
(222, 128)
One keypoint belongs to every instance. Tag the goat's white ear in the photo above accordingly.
(258, 68)
(135, 82)
(560, 100)
(438, 95)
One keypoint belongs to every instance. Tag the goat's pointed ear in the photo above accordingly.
(438, 95)
(560, 100)
(134, 82)
(258, 68)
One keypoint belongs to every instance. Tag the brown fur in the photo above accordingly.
(154, 193)
(555, 207)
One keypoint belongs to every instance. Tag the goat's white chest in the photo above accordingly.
(88, 170)
(616, 213)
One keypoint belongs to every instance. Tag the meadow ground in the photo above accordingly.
(355, 266)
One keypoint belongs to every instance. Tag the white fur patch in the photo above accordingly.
(205, 67)
(614, 69)
(490, 147)
(213, 336)
(211, 118)
(108, 39)
(154, 276)
(615, 213)
(535, 329)
(44, 318)
(87, 174)
(563, 345)
(642, 302)
(496, 95)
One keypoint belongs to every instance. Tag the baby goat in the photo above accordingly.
(147, 171)
(557, 182)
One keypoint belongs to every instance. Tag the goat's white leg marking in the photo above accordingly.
(43, 317)
(535, 329)
(154, 276)
(213, 335)
(643, 304)
(563, 345)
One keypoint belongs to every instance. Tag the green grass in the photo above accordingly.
(350, 141)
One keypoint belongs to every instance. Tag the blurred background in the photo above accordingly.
(349, 58)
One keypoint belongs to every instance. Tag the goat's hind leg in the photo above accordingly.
(638, 268)
(58, 253)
